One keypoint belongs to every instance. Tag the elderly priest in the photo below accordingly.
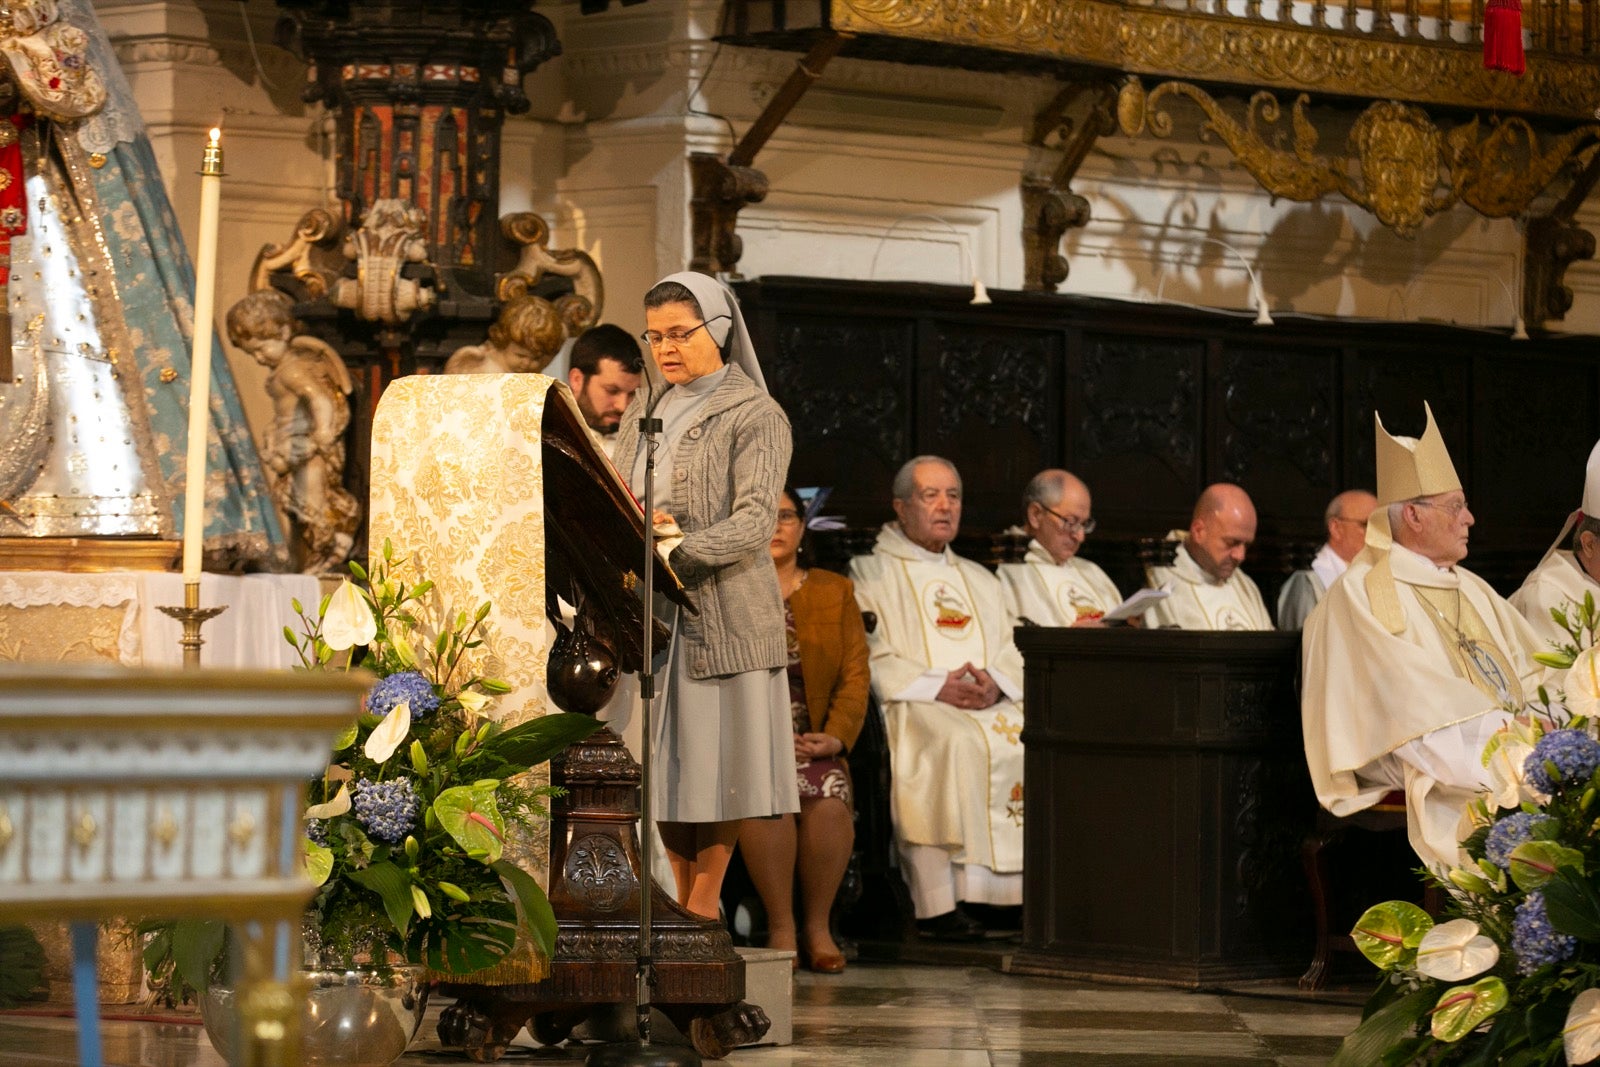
(1411, 661)
(1054, 586)
(1209, 591)
(949, 680)
(1566, 575)
(1346, 519)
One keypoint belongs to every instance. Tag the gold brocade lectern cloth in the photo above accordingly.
(458, 489)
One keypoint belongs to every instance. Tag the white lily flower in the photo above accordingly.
(337, 806)
(382, 742)
(403, 649)
(349, 621)
(1507, 782)
(1455, 951)
(473, 703)
(1581, 1036)
(1582, 683)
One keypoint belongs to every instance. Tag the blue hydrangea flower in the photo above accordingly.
(1574, 753)
(409, 686)
(1534, 940)
(1508, 833)
(317, 830)
(387, 810)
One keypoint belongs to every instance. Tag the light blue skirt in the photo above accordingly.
(722, 748)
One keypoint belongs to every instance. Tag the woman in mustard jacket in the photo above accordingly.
(828, 684)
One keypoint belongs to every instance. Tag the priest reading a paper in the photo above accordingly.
(1053, 585)
(949, 679)
(1411, 661)
(1566, 574)
(1209, 591)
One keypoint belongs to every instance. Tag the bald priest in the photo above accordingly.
(1568, 572)
(1411, 661)
(1209, 591)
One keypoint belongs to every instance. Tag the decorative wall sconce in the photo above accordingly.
(1257, 296)
(980, 293)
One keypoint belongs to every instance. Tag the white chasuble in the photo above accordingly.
(1384, 710)
(957, 774)
(1199, 601)
(1047, 593)
(1557, 582)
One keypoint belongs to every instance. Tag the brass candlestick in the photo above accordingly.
(193, 616)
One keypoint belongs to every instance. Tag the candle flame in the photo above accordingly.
(216, 136)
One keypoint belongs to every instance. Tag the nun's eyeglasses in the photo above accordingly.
(676, 338)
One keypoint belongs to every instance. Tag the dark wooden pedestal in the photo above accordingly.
(1166, 798)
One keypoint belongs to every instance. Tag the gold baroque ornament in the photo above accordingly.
(1400, 166)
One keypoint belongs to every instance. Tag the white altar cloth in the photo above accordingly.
(249, 634)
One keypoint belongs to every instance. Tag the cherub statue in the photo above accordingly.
(304, 449)
(526, 337)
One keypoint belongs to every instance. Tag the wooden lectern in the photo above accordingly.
(1166, 798)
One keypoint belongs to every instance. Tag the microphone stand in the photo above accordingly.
(642, 1053)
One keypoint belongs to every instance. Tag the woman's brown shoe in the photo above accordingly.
(828, 963)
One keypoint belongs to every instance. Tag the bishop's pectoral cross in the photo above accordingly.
(1482, 660)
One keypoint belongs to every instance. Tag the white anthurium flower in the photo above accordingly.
(1507, 782)
(349, 621)
(382, 742)
(1581, 1036)
(337, 806)
(1582, 684)
(1455, 951)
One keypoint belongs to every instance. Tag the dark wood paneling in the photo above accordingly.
(1148, 404)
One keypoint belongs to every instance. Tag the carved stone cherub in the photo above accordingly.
(526, 337)
(304, 448)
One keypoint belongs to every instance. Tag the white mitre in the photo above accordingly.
(1408, 468)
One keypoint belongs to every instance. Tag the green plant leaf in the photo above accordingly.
(1365, 1045)
(530, 743)
(319, 862)
(196, 945)
(1534, 863)
(347, 736)
(1388, 934)
(470, 815)
(535, 906)
(1573, 905)
(392, 887)
(1463, 1008)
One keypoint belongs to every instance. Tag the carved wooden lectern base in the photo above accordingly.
(595, 873)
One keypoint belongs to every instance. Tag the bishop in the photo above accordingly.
(1566, 574)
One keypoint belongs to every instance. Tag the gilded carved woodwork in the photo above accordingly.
(530, 235)
(1166, 43)
(1400, 164)
(1079, 115)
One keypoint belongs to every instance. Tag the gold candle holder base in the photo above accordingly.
(193, 616)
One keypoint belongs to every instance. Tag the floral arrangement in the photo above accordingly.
(406, 831)
(1512, 973)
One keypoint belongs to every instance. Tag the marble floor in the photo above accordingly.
(921, 1016)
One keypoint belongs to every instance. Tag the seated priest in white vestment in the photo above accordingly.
(949, 680)
(1346, 519)
(1053, 585)
(1411, 661)
(1565, 575)
(1209, 591)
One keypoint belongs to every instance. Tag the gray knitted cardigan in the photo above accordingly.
(728, 467)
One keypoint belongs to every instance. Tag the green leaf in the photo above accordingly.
(530, 743)
(1388, 934)
(319, 862)
(1534, 863)
(532, 902)
(1365, 1045)
(462, 946)
(196, 946)
(1573, 905)
(347, 737)
(470, 815)
(393, 887)
(1463, 1008)
(494, 685)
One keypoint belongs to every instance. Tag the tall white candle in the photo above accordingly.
(205, 290)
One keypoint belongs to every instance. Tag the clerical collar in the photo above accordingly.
(1328, 566)
(1417, 569)
(1037, 553)
(706, 382)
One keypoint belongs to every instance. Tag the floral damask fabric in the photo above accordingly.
(458, 490)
